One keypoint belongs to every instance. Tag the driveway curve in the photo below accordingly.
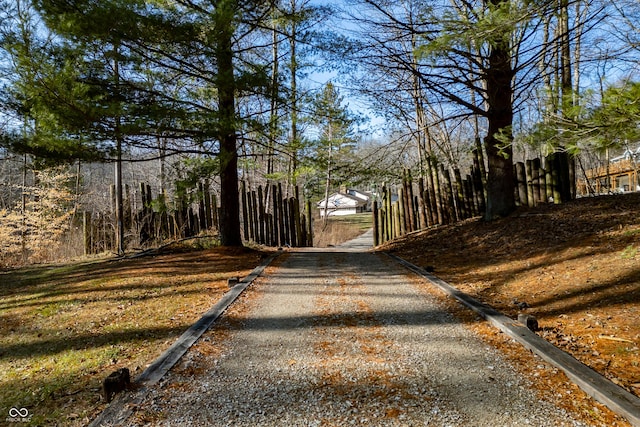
(343, 337)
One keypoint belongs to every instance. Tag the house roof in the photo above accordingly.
(342, 200)
(362, 195)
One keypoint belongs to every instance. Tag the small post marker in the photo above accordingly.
(529, 321)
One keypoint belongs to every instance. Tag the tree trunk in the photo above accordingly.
(327, 186)
(499, 75)
(568, 161)
(225, 82)
(119, 211)
(273, 113)
(328, 181)
(294, 145)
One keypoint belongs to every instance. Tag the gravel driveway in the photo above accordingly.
(343, 337)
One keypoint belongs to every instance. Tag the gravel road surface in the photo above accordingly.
(343, 337)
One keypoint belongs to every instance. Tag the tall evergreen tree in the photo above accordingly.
(335, 141)
(226, 86)
(142, 63)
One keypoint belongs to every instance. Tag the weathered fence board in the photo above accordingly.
(538, 183)
(442, 196)
(435, 198)
(274, 222)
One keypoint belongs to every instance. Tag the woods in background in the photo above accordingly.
(188, 96)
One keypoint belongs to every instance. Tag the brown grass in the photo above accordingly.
(576, 266)
(339, 229)
(63, 328)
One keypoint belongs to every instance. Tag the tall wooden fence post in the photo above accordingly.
(261, 219)
(376, 225)
(521, 184)
(402, 219)
(245, 211)
(309, 224)
(535, 181)
(292, 222)
(281, 217)
(422, 208)
(296, 219)
(461, 208)
(529, 175)
(276, 216)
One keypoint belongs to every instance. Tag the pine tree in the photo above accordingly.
(141, 71)
(335, 141)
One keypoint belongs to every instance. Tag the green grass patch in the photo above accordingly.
(629, 252)
(631, 233)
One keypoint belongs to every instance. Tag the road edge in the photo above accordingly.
(124, 405)
(595, 385)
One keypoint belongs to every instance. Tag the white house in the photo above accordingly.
(347, 202)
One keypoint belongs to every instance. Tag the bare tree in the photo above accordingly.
(476, 61)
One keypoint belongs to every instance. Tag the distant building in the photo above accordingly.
(620, 176)
(345, 202)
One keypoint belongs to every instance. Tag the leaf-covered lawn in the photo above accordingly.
(576, 266)
(64, 328)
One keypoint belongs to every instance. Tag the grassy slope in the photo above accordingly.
(576, 266)
(64, 328)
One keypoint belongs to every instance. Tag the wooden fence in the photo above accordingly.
(270, 219)
(148, 220)
(443, 196)
(535, 184)
(440, 197)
